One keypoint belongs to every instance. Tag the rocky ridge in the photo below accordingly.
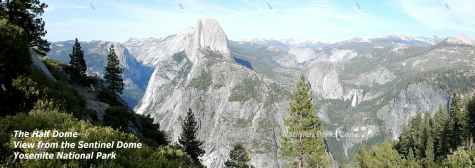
(239, 90)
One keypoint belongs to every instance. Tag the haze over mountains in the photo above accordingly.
(239, 90)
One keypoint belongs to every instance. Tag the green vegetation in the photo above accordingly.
(442, 140)
(121, 118)
(188, 139)
(261, 59)
(382, 155)
(358, 65)
(471, 118)
(113, 72)
(460, 158)
(45, 116)
(57, 105)
(56, 69)
(14, 54)
(179, 57)
(37, 87)
(238, 158)
(15, 60)
(26, 14)
(303, 145)
(117, 117)
(31, 101)
(202, 82)
(245, 90)
(77, 63)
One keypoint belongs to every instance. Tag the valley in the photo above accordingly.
(239, 90)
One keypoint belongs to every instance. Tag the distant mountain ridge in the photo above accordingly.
(239, 89)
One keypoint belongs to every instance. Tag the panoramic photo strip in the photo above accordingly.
(237, 84)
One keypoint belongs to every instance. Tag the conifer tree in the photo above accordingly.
(413, 137)
(15, 61)
(429, 153)
(377, 156)
(411, 156)
(405, 142)
(14, 54)
(77, 62)
(304, 142)
(420, 135)
(27, 15)
(460, 158)
(471, 119)
(440, 133)
(238, 158)
(410, 160)
(188, 139)
(113, 72)
(457, 122)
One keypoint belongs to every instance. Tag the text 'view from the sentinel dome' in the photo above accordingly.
(237, 84)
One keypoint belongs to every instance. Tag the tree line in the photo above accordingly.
(112, 74)
(27, 15)
(302, 146)
(444, 139)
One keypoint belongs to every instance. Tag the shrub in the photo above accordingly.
(150, 131)
(109, 97)
(14, 53)
(15, 60)
(460, 158)
(46, 116)
(118, 117)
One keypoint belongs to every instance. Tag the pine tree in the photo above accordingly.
(77, 62)
(113, 72)
(457, 122)
(238, 158)
(14, 54)
(411, 156)
(304, 142)
(440, 133)
(15, 61)
(420, 135)
(378, 156)
(405, 142)
(460, 158)
(413, 137)
(188, 139)
(429, 153)
(471, 119)
(27, 15)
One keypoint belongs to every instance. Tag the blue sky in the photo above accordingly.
(317, 20)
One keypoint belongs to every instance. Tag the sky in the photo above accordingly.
(301, 20)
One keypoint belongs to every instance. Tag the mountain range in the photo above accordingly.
(239, 90)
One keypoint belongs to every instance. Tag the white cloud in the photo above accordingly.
(323, 20)
(442, 15)
(314, 20)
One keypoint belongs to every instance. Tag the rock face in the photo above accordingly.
(136, 74)
(417, 97)
(232, 103)
(210, 36)
(37, 63)
(239, 91)
(368, 87)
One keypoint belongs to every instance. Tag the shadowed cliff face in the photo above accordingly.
(367, 87)
(232, 103)
(136, 74)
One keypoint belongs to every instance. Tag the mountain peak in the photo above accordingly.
(458, 41)
(209, 35)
